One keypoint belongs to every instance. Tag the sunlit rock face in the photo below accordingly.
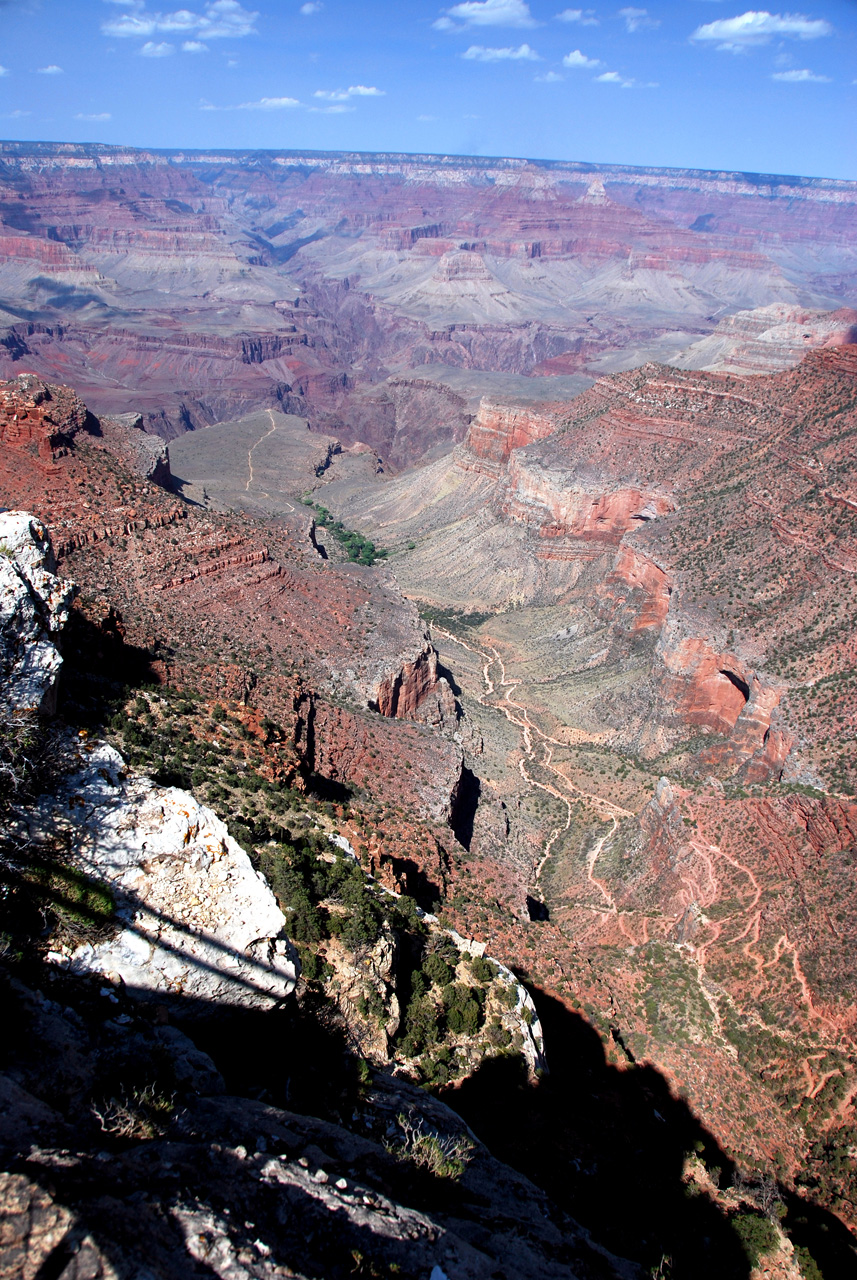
(34, 605)
(195, 918)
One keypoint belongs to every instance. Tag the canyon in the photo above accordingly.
(590, 701)
(210, 284)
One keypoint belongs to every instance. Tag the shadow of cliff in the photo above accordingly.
(100, 667)
(609, 1145)
(465, 806)
(76, 1045)
(445, 673)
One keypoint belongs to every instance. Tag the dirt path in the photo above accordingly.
(702, 889)
(250, 453)
(531, 737)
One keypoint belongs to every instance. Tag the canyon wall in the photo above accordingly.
(302, 282)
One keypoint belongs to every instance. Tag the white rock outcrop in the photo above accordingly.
(196, 919)
(34, 606)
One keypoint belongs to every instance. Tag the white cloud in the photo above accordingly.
(586, 17)
(478, 53)
(338, 110)
(4, 71)
(578, 59)
(16, 115)
(613, 77)
(549, 77)
(52, 70)
(312, 6)
(268, 104)
(794, 77)
(263, 104)
(152, 50)
(426, 119)
(353, 91)
(95, 115)
(487, 13)
(194, 46)
(755, 27)
(635, 19)
(221, 18)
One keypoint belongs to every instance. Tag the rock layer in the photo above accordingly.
(302, 282)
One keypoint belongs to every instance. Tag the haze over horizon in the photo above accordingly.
(702, 85)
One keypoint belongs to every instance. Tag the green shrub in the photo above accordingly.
(482, 970)
(462, 1010)
(444, 1155)
(437, 970)
(757, 1234)
(420, 1026)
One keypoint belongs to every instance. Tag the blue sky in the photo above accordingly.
(703, 83)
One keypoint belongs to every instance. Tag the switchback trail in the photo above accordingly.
(702, 883)
(532, 735)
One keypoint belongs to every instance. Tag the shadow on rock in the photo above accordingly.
(608, 1145)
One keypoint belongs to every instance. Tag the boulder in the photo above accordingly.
(194, 917)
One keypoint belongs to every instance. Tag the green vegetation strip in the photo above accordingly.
(360, 550)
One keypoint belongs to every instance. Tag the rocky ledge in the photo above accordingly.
(34, 605)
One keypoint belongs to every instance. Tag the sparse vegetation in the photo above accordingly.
(443, 1155)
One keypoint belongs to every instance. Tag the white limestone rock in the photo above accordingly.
(34, 607)
(197, 919)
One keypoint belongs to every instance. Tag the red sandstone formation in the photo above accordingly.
(498, 429)
(192, 587)
(416, 692)
(34, 413)
(635, 594)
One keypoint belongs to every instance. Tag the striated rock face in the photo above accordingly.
(34, 606)
(211, 284)
(635, 594)
(563, 505)
(196, 919)
(704, 687)
(720, 693)
(33, 412)
(417, 692)
(500, 428)
(768, 339)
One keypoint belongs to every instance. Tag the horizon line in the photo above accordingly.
(441, 158)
